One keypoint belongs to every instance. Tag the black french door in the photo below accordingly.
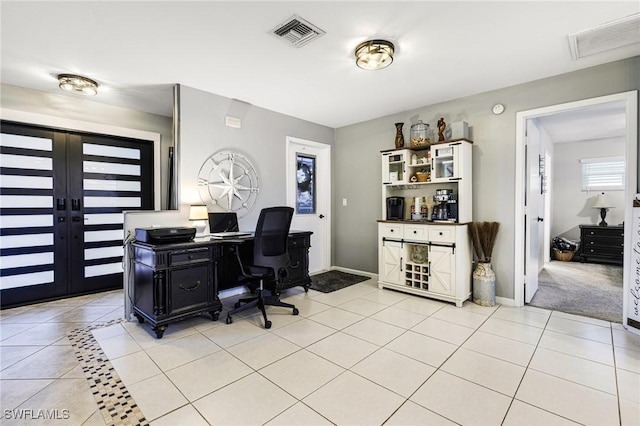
(63, 195)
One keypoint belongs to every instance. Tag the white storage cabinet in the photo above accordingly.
(430, 260)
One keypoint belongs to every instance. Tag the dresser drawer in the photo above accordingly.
(388, 230)
(603, 251)
(188, 256)
(596, 241)
(442, 234)
(603, 232)
(415, 232)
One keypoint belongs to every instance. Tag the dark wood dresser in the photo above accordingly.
(601, 243)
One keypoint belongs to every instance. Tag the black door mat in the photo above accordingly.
(334, 280)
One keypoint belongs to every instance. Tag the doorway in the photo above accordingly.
(308, 169)
(63, 196)
(629, 102)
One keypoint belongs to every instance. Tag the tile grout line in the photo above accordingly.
(115, 403)
(526, 368)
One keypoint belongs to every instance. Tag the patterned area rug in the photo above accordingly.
(334, 280)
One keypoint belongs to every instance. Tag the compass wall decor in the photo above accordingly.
(228, 181)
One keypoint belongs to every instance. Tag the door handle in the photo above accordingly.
(321, 216)
(540, 219)
(61, 204)
(75, 204)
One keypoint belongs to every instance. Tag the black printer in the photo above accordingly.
(165, 235)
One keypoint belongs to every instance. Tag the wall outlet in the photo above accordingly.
(344, 202)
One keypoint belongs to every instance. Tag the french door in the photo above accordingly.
(61, 214)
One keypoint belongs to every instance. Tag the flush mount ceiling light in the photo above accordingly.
(78, 84)
(374, 54)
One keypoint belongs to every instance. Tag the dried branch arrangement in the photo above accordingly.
(483, 237)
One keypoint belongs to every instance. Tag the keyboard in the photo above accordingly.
(235, 234)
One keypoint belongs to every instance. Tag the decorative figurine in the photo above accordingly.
(399, 136)
(441, 127)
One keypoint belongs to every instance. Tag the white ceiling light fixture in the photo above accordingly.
(374, 54)
(78, 84)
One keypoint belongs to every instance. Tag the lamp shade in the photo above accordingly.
(198, 213)
(602, 202)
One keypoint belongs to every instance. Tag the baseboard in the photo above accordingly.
(354, 271)
(506, 302)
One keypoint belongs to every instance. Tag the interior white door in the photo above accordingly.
(533, 214)
(309, 193)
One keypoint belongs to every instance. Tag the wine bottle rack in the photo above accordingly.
(417, 275)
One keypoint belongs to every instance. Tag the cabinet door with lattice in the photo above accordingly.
(391, 262)
(442, 270)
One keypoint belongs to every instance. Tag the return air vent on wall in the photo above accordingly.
(620, 33)
(297, 31)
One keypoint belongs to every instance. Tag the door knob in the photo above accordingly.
(321, 216)
(540, 219)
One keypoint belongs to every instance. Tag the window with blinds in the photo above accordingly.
(605, 173)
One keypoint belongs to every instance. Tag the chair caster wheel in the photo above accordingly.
(267, 324)
(237, 305)
(229, 319)
(295, 311)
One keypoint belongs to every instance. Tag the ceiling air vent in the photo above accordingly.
(612, 35)
(297, 31)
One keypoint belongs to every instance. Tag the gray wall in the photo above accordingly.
(572, 204)
(356, 159)
(262, 139)
(82, 109)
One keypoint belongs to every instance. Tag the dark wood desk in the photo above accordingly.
(175, 281)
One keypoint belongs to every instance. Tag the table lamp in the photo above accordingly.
(602, 203)
(199, 215)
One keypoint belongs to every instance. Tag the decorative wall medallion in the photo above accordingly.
(228, 181)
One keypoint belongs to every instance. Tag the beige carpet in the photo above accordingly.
(589, 289)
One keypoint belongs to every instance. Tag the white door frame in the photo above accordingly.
(631, 154)
(324, 204)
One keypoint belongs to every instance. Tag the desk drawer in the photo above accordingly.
(442, 234)
(189, 256)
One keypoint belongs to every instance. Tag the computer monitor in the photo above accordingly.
(223, 222)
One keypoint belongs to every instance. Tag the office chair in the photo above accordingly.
(270, 258)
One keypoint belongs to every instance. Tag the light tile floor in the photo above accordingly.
(358, 356)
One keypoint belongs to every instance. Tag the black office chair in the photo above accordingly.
(270, 258)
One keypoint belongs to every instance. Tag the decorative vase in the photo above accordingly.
(484, 285)
(399, 135)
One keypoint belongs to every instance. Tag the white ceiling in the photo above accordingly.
(445, 50)
(595, 123)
